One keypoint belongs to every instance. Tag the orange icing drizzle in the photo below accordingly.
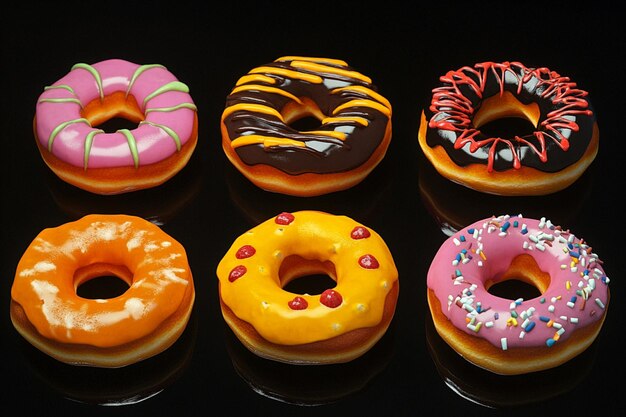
(60, 259)
(254, 290)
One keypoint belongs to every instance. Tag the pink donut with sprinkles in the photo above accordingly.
(517, 336)
(69, 112)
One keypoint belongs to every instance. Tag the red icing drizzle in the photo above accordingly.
(368, 262)
(360, 232)
(237, 273)
(331, 298)
(284, 218)
(453, 111)
(245, 251)
(298, 303)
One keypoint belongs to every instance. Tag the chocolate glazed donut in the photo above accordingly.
(563, 142)
(354, 131)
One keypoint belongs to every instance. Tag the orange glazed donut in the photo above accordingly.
(142, 322)
(336, 326)
(69, 110)
(517, 336)
(563, 144)
(260, 141)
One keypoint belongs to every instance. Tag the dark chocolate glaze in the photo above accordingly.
(322, 154)
(562, 136)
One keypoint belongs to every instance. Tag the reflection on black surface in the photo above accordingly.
(358, 202)
(115, 386)
(157, 205)
(504, 391)
(454, 206)
(308, 385)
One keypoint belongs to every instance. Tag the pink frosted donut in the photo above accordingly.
(517, 336)
(69, 110)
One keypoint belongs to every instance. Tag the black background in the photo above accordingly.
(209, 204)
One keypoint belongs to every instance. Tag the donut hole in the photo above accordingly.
(102, 281)
(522, 279)
(505, 116)
(303, 116)
(114, 112)
(305, 276)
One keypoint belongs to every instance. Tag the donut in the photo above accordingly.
(517, 336)
(562, 145)
(102, 332)
(350, 136)
(69, 111)
(336, 326)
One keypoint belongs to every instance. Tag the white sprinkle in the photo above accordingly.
(456, 242)
(573, 320)
(503, 343)
(600, 303)
(489, 324)
(540, 247)
(551, 308)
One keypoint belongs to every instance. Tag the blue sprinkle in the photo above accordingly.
(524, 231)
(574, 254)
(550, 342)
(470, 231)
(545, 319)
(573, 299)
(530, 326)
(462, 238)
(496, 316)
(542, 300)
(464, 251)
(457, 272)
(515, 223)
(505, 226)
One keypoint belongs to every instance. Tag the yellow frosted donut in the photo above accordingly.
(338, 325)
(142, 322)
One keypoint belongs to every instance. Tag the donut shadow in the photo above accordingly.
(308, 385)
(158, 204)
(123, 386)
(495, 391)
(359, 202)
(454, 206)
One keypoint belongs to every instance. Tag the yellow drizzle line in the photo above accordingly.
(189, 106)
(311, 66)
(255, 77)
(342, 119)
(364, 90)
(364, 103)
(315, 79)
(312, 59)
(171, 86)
(267, 141)
(61, 100)
(259, 108)
(267, 89)
(331, 133)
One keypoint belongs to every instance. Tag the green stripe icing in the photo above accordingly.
(140, 71)
(96, 76)
(173, 108)
(61, 86)
(88, 143)
(132, 144)
(173, 86)
(62, 126)
(167, 130)
(61, 100)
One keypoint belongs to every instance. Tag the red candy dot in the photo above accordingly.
(331, 298)
(298, 303)
(359, 232)
(368, 262)
(284, 218)
(245, 251)
(237, 273)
